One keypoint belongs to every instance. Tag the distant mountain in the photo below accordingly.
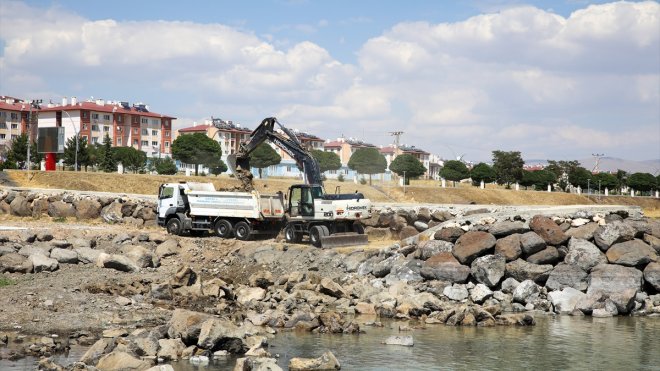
(613, 164)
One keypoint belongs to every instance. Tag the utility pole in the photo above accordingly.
(597, 157)
(396, 134)
(34, 103)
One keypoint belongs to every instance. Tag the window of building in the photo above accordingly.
(288, 169)
(119, 129)
(84, 127)
(14, 116)
(145, 132)
(14, 136)
(144, 120)
(14, 126)
(95, 128)
(2, 136)
(120, 118)
(135, 130)
(167, 144)
(95, 116)
(145, 143)
(106, 117)
(154, 132)
(119, 141)
(155, 122)
(106, 128)
(85, 137)
(167, 134)
(135, 142)
(85, 114)
(95, 139)
(135, 119)
(154, 143)
(3, 114)
(3, 125)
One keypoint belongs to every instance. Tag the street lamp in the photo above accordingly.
(588, 186)
(75, 131)
(33, 104)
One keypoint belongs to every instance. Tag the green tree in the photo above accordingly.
(563, 170)
(643, 182)
(482, 171)
(264, 156)
(69, 155)
(529, 178)
(197, 149)
(508, 166)
(409, 165)
(107, 162)
(367, 161)
(539, 179)
(163, 166)
(580, 177)
(327, 160)
(455, 171)
(604, 180)
(217, 166)
(18, 152)
(132, 159)
(621, 179)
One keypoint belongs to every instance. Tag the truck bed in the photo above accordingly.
(236, 204)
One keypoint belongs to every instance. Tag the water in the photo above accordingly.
(561, 343)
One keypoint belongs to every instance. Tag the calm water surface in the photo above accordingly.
(555, 343)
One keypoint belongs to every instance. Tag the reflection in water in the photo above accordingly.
(560, 343)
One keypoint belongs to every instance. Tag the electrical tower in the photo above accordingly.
(396, 134)
(597, 157)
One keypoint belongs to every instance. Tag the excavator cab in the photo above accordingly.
(301, 199)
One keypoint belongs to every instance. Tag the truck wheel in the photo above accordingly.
(315, 234)
(358, 228)
(223, 228)
(174, 226)
(242, 231)
(290, 234)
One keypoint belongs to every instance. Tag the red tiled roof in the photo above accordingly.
(14, 106)
(109, 108)
(332, 144)
(196, 128)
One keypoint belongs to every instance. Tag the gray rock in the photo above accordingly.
(167, 248)
(480, 293)
(449, 234)
(585, 232)
(4, 249)
(531, 243)
(96, 351)
(505, 228)
(142, 257)
(549, 255)
(526, 292)
(87, 255)
(247, 294)
(615, 232)
(161, 291)
(256, 364)
(653, 241)
(383, 268)
(15, 263)
(60, 209)
(631, 253)
(584, 254)
(420, 226)
(45, 236)
(489, 269)
(473, 244)
(509, 247)
(186, 325)
(117, 360)
(451, 272)
(64, 256)
(609, 309)
(121, 238)
(567, 275)
(620, 283)
(509, 284)
(565, 301)
(112, 213)
(221, 334)
(170, 349)
(456, 292)
(652, 275)
(20, 206)
(427, 249)
(327, 361)
(117, 262)
(406, 341)
(42, 263)
(331, 288)
(522, 270)
(441, 215)
(87, 209)
(549, 231)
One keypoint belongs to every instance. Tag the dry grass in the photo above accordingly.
(419, 191)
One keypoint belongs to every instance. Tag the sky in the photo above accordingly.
(552, 79)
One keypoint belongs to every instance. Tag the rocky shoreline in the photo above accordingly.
(140, 297)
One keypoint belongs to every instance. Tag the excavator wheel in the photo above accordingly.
(316, 233)
(290, 234)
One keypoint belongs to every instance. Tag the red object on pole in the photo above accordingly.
(50, 162)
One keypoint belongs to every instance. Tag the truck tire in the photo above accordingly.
(223, 228)
(315, 234)
(174, 226)
(290, 234)
(242, 231)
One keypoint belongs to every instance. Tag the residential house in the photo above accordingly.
(288, 167)
(14, 117)
(391, 152)
(344, 148)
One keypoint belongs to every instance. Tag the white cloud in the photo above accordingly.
(522, 78)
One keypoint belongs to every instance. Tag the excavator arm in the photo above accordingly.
(239, 163)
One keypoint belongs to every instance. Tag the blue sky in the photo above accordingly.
(553, 79)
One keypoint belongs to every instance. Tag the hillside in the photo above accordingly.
(419, 192)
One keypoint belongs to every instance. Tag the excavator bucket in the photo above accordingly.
(240, 167)
(344, 239)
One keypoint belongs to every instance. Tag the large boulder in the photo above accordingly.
(522, 270)
(112, 213)
(526, 292)
(170, 349)
(531, 243)
(545, 227)
(248, 294)
(64, 255)
(584, 254)
(619, 283)
(87, 255)
(480, 293)
(20, 206)
(427, 249)
(186, 325)
(121, 361)
(652, 275)
(167, 248)
(39, 207)
(631, 253)
(117, 262)
(42, 263)
(87, 208)
(584, 232)
(489, 269)
(327, 361)
(549, 255)
(61, 209)
(331, 288)
(611, 233)
(443, 266)
(142, 257)
(473, 244)
(565, 300)
(505, 228)
(15, 263)
(456, 292)
(97, 350)
(253, 363)
(567, 275)
(449, 234)
(509, 247)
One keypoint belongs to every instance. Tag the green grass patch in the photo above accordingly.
(6, 282)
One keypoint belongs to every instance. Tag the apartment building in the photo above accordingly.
(126, 125)
(14, 117)
(391, 152)
(288, 167)
(344, 148)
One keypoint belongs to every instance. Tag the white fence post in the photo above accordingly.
(443, 182)
(483, 186)
(607, 192)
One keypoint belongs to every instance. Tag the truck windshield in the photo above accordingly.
(166, 192)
